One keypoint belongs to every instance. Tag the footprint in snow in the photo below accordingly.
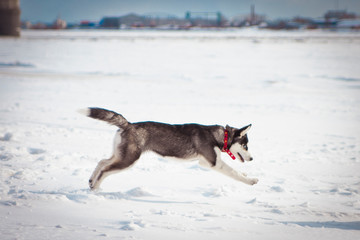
(35, 151)
(5, 156)
(277, 189)
(133, 225)
(7, 137)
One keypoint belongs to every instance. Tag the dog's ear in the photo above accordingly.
(231, 131)
(242, 131)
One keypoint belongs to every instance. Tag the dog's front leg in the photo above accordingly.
(225, 169)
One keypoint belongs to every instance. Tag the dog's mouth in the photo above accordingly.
(241, 158)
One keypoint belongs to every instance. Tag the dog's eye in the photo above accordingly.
(245, 147)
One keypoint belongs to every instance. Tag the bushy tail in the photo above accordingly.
(107, 116)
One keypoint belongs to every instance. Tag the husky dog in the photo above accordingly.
(187, 141)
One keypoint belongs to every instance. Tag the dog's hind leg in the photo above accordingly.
(107, 168)
(103, 164)
(124, 157)
(225, 169)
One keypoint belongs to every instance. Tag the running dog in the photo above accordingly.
(187, 142)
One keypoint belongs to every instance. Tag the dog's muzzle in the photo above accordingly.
(241, 158)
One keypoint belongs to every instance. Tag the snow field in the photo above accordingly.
(299, 90)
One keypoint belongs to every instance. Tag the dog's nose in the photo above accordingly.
(251, 158)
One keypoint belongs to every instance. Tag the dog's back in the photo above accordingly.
(180, 141)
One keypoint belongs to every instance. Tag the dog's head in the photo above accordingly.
(238, 142)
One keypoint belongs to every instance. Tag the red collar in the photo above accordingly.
(225, 148)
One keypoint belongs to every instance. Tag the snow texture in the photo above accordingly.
(299, 90)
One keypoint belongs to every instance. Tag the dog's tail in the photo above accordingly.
(106, 115)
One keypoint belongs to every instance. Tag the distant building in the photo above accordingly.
(282, 25)
(334, 19)
(205, 19)
(164, 21)
(26, 25)
(87, 24)
(38, 25)
(304, 22)
(59, 24)
(251, 19)
(133, 20)
(349, 24)
(254, 19)
(10, 17)
(325, 23)
(339, 14)
(138, 21)
(110, 22)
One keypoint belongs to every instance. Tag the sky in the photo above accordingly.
(94, 10)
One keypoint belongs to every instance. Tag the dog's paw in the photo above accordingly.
(253, 181)
(91, 184)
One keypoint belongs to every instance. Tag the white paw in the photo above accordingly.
(253, 181)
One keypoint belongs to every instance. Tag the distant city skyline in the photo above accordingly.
(94, 10)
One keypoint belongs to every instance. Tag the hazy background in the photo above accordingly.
(72, 11)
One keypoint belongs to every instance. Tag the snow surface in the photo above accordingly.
(300, 90)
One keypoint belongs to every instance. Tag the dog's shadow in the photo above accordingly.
(140, 195)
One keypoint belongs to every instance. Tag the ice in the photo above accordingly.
(299, 90)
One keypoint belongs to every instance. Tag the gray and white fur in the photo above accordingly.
(186, 141)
